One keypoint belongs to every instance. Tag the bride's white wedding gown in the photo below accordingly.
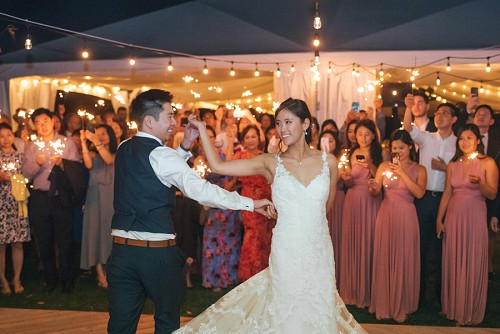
(297, 293)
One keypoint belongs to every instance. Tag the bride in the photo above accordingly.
(297, 292)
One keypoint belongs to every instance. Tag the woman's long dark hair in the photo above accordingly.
(298, 108)
(375, 147)
(476, 132)
(336, 151)
(8, 127)
(113, 143)
(347, 143)
(405, 137)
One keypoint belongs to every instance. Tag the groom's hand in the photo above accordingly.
(264, 207)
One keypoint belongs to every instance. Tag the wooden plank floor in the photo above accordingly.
(17, 321)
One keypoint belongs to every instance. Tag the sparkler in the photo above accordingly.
(344, 161)
(202, 169)
(58, 146)
(473, 155)
(390, 175)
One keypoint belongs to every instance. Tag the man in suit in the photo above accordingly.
(145, 261)
(483, 118)
(47, 162)
(419, 110)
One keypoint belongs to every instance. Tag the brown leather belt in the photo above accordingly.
(144, 243)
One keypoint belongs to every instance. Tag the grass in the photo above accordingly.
(88, 297)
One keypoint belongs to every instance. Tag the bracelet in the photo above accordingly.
(183, 148)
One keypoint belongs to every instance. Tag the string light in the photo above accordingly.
(330, 68)
(481, 89)
(317, 19)
(353, 69)
(28, 43)
(85, 53)
(205, 68)
(132, 61)
(381, 72)
(357, 71)
(278, 71)
(232, 72)
(292, 68)
(316, 58)
(256, 73)
(438, 80)
(488, 67)
(316, 39)
(170, 67)
(448, 67)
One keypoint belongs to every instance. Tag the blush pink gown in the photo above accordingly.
(465, 249)
(334, 217)
(396, 256)
(358, 226)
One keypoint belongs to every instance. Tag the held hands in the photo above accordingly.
(56, 160)
(191, 133)
(438, 164)
(265, 207)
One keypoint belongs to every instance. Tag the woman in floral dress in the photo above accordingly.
(14, 228)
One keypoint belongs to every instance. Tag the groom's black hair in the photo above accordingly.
(149, 103)
(298, 108)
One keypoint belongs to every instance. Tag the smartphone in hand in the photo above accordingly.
(474, 91)
(360, 157)
(355, 106)
(325, 144)
(395, 158)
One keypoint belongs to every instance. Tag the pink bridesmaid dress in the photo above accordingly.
(334, 217)
(358, 225)
(465, 249)
(396, 256)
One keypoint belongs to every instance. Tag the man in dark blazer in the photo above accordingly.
(484, 119)
(145, 260)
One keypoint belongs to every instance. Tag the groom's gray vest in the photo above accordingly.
(142, 203)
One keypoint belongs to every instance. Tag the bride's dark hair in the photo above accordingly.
(298, 108)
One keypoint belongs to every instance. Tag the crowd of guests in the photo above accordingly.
(415, 204)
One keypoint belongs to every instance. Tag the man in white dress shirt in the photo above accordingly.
(436, 149)
(144, 261)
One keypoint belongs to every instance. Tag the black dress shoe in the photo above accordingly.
(49, 287)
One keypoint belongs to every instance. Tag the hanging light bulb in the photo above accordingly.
(28, 44)
(481, 89)
(381, 72)
(329, 68)
(232, 72)
(85, 54)
(170, 67)
(205, 68)
(357, 71)
(316, 58)
(292, 68)
(448, 67)
(132, 61)
(256, 73)
(488, 67)
(316, 39)
(278, 71)
(317, 19)
(353, 69)
(438, 80)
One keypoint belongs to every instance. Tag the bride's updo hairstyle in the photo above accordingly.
(298, 108)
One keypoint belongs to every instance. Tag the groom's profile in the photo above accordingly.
(145, 260)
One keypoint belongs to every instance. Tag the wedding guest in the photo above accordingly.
(257, 228)
(118, 132)
(71, 122)
(436, 150)
(490, 137)
(98, 212)
(315, 132)
(349, 135)
(470, 178)
(334, 216)
(329, 124)
(50, 209)
(57, 123)
(359, 215)
(14, 227)
(222, 232)
(396, 255)
(267, 121)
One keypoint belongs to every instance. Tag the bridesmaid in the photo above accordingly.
(257, 228)
(470, 178)
(358, 218)
(329, 142)
(396, 255)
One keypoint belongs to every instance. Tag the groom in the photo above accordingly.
(145, 261)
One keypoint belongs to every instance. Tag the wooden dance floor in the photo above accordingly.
(17, 321)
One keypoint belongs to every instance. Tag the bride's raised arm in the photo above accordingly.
(244, 167)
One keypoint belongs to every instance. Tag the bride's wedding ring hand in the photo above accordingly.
(261, 206)
(271, 212)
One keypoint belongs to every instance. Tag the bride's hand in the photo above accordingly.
(261, 206)
(271, 212)
(196, 123)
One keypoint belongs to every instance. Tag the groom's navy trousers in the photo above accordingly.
(134, 273)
